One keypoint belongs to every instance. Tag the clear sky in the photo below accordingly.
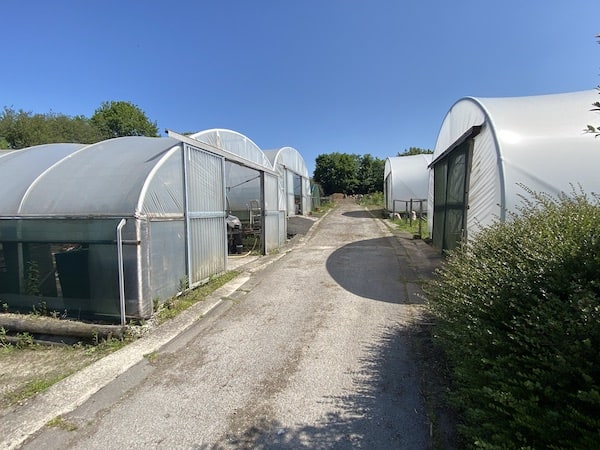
(322, 76)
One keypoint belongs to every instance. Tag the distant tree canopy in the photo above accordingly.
(349, 174)
(19, 129)
(114, 119)
(415, 151)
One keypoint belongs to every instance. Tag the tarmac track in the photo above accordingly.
(310, 351)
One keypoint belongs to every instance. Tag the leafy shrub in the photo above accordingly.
(372, 199)
(518, 314)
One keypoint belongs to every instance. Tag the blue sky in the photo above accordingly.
(322, 76)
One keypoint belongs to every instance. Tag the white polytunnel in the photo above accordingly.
(108, 231)
(406, 182)
(490, 151)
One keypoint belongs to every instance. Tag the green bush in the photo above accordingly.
(372, 199)
(518, 315)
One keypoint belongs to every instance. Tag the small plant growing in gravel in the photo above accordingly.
(518, 314)
(62, 423)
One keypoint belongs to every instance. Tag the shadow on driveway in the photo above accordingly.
(364, 214)
(372, 269)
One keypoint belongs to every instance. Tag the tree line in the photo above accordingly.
(335, 172)
(353, 174)
(20, 129)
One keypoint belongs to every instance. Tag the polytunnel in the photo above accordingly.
(293, 182)
(251, 185)
(490, 151)
(406, 183)
(106, 231)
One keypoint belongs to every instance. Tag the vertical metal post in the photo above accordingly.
(224, 206)
(186, 213)
(263, 214)
(421, 219)
(121, 269)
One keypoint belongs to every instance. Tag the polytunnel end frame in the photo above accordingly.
(219, 151)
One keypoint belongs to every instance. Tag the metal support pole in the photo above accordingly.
(121, 269)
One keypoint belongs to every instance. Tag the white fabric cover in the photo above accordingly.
(537, 141)
(406, 178)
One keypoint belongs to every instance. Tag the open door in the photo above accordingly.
(450, 198)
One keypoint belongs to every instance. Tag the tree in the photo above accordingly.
(115, 119)
(415, 151)
(19, 129)
(370, 174)
(349, 174)
(337, 172)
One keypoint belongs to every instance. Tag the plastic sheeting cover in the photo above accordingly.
(406, 178)
(235, 143)
(19, 168)
(242, 183)
(288, 159)
(102, 179)
(536, 141)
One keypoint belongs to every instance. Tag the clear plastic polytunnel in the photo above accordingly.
(106, 231)
(294, 184)
(251, 186)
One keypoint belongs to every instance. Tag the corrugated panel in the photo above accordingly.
(208, 252)
(205, 214)
(291, 204)
(282, 228)
(205, 181)
(273, 234)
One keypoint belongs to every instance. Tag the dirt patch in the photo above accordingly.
(23, 371)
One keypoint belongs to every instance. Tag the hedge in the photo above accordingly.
(517, 312)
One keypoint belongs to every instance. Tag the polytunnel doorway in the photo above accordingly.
(295, 194)
(244, 209)
(450, 178)
(204, 213)
(250, 189)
